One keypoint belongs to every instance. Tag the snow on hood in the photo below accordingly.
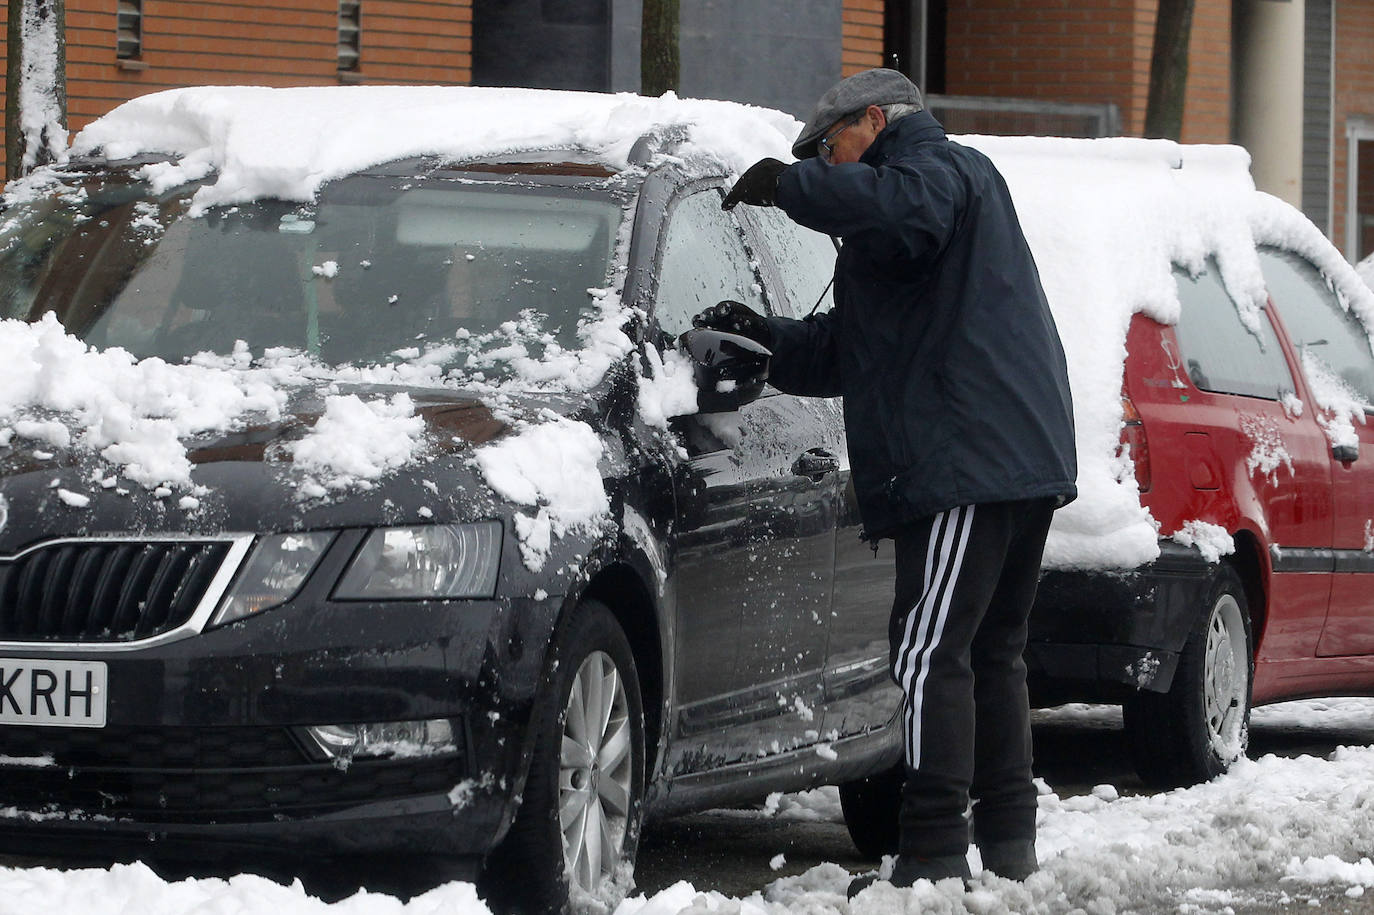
(287, 143)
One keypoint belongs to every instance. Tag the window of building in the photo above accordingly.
(1220, 352)
(350, 34)
(1359, 191)
(129, 29)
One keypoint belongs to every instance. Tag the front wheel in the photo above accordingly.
(572, 845)
(1196, 730)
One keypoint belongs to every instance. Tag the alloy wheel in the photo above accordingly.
(1225, 679)
(596, 774)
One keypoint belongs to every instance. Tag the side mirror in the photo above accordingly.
(1346, 453)
(730, 370)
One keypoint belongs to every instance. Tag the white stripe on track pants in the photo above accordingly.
(966, 580)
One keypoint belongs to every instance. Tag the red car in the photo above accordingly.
(1252, 451)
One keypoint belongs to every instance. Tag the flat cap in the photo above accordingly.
(851, 94)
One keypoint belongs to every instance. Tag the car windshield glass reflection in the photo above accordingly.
(468, 273)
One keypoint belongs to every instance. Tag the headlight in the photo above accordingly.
(275, 570)
(420, 563)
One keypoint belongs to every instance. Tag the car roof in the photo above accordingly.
(287, 143)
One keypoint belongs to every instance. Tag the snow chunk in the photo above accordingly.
(1339, 405)
(818, 805)
(1268, 452)
(356, 441)
(552, 465)
(1212, 540)
(163, 176)
(669, 389)
(1330, 869)
(74, 499)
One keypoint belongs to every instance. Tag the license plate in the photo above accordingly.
(52, 693)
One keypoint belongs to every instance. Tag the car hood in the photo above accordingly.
(245, 480)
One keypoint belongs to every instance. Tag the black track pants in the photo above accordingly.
(966, 580)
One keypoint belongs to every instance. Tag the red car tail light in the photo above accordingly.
(1135, 443)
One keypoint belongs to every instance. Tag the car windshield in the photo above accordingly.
(379, 268)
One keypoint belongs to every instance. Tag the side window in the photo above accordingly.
(1318, 324)
(704, 261)
(805, 259)
(1219, 352)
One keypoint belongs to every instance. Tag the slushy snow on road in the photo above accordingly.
(1271, 827)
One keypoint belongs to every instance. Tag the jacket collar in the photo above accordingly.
(917, 127)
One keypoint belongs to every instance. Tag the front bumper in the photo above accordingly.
(1100, 636)
(203, 743)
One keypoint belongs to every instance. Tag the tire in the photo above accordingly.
(585, 786)
(1196, 730)
(870, 808)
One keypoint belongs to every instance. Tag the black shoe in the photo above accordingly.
(1013, 859)
(909, 868)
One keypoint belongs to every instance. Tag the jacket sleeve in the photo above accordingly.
(804, 353)
(895, 211)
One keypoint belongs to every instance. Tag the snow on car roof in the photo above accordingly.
(264, 142)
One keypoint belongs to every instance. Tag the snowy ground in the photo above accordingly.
(1278, 832)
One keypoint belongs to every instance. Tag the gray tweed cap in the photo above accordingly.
(851, 94)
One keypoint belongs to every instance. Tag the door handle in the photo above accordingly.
(815, 463)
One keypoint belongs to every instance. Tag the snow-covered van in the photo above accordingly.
(364, 490)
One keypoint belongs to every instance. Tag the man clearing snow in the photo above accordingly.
(960, 435)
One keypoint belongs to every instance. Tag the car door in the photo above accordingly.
(1252, 458)
(1334, 351)
(859, 691)
(757, 497)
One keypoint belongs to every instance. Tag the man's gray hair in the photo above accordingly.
(898, 111)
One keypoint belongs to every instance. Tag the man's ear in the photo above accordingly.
(876, 117)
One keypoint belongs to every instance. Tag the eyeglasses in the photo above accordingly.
(826, 144)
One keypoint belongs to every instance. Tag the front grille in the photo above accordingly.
(105, 591)
(183, 775)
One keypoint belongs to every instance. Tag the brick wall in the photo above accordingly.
(1353, 98)
(1092, 51)
(861, 38)
(1052, 50)
(259, 42)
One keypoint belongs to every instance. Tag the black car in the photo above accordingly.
(403, 667)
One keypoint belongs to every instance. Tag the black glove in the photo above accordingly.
(736, 318)
(758, 186)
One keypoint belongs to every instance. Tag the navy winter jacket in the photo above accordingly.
(941, 341)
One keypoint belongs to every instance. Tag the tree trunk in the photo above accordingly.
(1169, 69)
(659, 69)
(35, 85)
